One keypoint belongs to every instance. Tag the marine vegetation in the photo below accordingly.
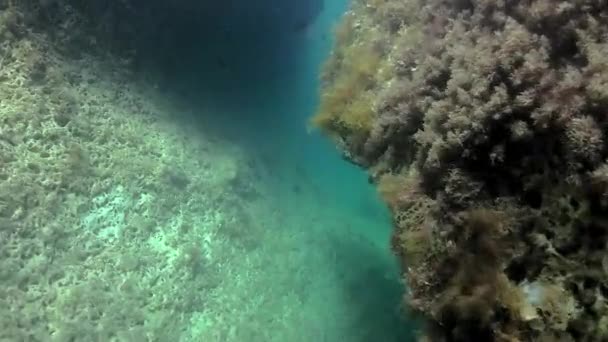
(484, 125)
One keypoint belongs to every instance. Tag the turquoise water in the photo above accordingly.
(353, 291)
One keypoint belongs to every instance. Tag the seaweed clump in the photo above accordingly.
(486, 135)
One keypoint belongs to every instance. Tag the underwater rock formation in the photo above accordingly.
(484, 125)
(105, 198)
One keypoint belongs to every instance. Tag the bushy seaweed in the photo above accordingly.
(488, 142)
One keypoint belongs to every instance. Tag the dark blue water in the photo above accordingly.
(264, 82)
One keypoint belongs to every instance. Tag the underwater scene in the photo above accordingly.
(303, 170)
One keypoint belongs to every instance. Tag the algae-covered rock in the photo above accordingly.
(484, 124)
(96, 187)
